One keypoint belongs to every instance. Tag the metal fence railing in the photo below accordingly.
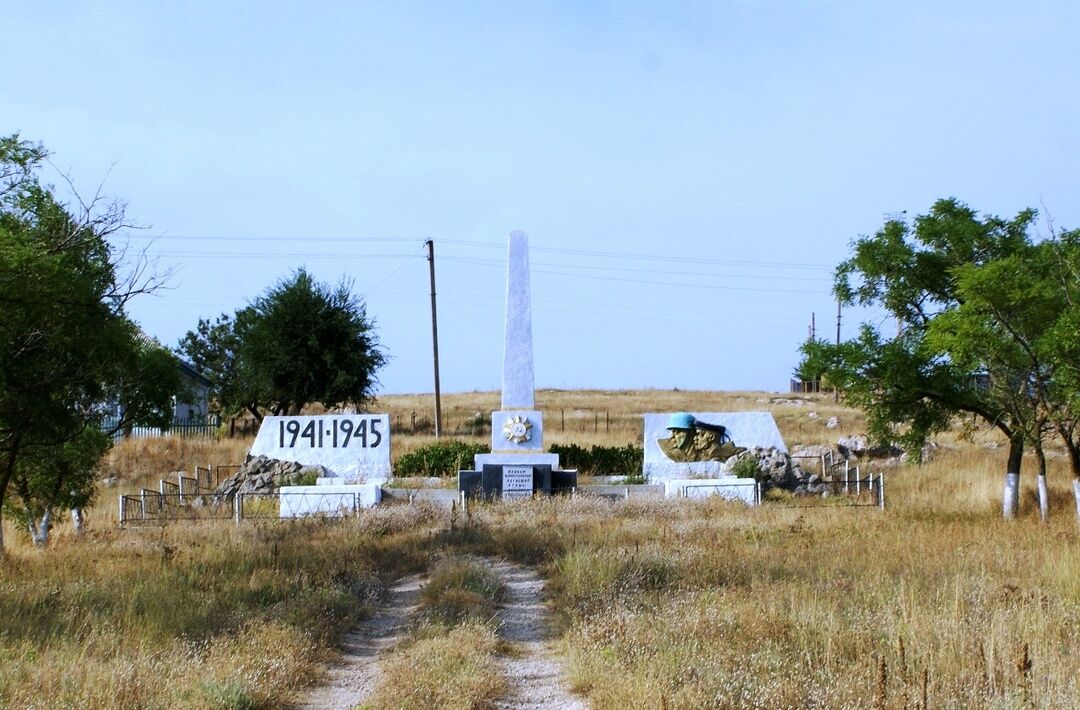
(223, 471)
(848, 488)
(706, 488)
(173, 507)
(188, 487)
(152, 501)
(826, 464)
(461, 423)
(204, 475)
(851, 489)
(155, 508)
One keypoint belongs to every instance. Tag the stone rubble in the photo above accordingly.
(776, 469)
(262, 474)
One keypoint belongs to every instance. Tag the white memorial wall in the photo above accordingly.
(354, 447)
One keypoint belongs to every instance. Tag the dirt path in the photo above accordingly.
(534, 675)
(532, 671)
(356, 674)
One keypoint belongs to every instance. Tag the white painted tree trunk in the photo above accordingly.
(39, 529)
(1076, 495)
(77, 520)
(1044, 498)
(1012, 494)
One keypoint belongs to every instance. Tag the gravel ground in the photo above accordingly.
(534, 674)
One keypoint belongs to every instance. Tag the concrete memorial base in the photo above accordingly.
(514, 459)
(515, 481)
(346, 480)
(729, 487)
(327, 499)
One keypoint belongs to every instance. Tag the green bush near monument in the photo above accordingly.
(602, 460)
(443, 458)
(446, 458)
(746, 467)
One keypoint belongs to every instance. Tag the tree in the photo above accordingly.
(65, 344)
(911, 384)
(995, 331)
(300, 342)
(1059, 344)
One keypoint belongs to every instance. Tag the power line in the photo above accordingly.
(277, 255)
(499, 264)
(280, 238)
(653, 257)
(488, 245)
(391, 274)
(479, 299)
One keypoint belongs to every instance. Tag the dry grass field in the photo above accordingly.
(934, 602)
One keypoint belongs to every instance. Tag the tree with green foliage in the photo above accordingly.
(910, 384)
(815, 362)
(66, 346)
(995, 331)
(1051, 336)
(300, 342)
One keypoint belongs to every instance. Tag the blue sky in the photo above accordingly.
(689, 173)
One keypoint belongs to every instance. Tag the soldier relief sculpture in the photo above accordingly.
(693, 440)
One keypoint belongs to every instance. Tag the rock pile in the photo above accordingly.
(776, 469)
(262, 474)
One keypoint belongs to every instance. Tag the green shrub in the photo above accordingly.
(306, 477)
(746, 467)
(443, 458)
(601, 460)
(229, 695)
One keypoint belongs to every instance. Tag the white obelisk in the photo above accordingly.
(517, 428)
(517, 379)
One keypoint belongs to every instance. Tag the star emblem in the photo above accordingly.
(517, 429)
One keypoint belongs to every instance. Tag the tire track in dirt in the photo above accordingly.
(356, 674)
(533, 672)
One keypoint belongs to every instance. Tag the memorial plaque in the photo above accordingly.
(352, 446)
(672, 454)
(517, 481)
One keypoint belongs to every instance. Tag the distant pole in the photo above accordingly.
(838, 321)
(836, 390)
(435, 339)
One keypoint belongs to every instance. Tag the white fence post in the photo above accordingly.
(238, 506)
(881, 490)
(121, 510)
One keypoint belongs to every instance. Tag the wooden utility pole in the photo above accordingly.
(435, 338)
(836, 390)
(838, 322)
